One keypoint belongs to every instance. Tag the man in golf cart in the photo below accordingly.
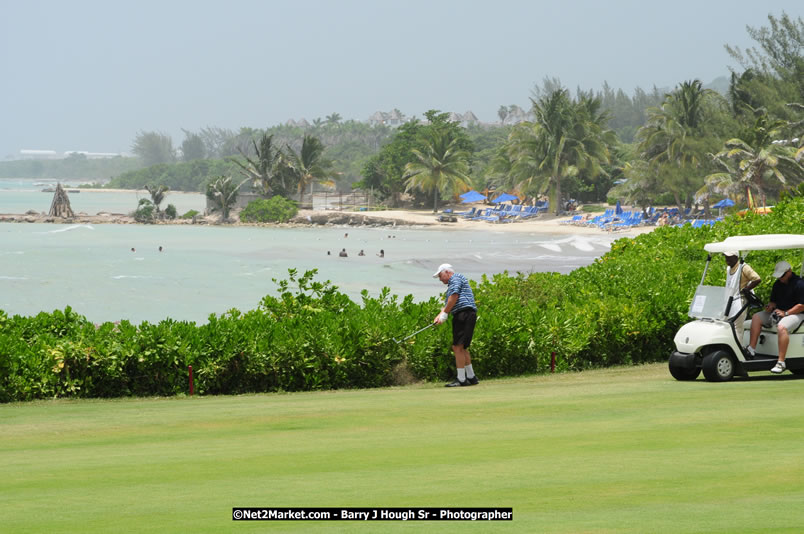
(785, 309)
(748, 280)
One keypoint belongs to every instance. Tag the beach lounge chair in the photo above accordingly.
(469, 213)
(479, 215)
(528, 211)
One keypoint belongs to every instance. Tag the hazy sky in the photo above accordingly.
(89, 75)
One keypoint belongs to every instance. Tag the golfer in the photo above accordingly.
(460, 303)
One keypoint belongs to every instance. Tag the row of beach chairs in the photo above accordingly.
(611, 221)
(505, 213)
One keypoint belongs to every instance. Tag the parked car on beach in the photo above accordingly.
(710, 342)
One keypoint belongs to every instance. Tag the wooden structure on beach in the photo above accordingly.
(60, 207)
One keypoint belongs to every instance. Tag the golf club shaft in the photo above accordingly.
(417, 331)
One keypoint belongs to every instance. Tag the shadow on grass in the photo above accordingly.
(762, 378)
(738, 379)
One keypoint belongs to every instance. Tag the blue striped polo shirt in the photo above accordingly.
(460, 285)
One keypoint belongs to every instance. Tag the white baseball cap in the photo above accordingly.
(441, 268)
(781, 268)
(732, 253)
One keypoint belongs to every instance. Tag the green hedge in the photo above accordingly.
(275, 209)
(623, 309)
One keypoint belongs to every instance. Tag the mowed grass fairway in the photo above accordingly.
(617, 450)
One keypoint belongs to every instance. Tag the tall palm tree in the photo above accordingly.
(567, 139)
(755, 159)
(262, 169)
(502, 113)
(308, 165)
(157, 195)
(674, 142)
(499, 174)
(223, 194)
(440, 167)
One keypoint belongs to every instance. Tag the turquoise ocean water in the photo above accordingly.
(211, 269)
(21, 195)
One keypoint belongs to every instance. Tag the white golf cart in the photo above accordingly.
(710, 342)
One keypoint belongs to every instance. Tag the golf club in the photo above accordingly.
(414, 333)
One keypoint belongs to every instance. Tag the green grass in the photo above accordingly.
(618, 450)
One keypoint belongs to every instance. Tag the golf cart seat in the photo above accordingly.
(771, 329)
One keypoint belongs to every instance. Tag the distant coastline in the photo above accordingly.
(544, 224)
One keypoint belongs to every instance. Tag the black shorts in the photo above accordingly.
(463, 326)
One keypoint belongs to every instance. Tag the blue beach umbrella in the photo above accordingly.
(505, 197)
(471, 196)
(725, 203)
(618, 210)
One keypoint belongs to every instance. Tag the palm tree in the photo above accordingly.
(755, 159)
(262, 170)
(674, 142)
(223, 194)
(566, 140)
(499, 174)
(334, 119)
(502, 113)
(308, 165)
(440, 167)
(641, 185)
(157, 195)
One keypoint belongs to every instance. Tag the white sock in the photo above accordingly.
(751, 350)
(470, 373)
(462, 374)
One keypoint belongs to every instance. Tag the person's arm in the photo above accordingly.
(753, 279)
(751, 285)
(444, 313)
(797, 308)
(451, 302)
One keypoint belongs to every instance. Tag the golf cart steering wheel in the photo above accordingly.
(752, 300)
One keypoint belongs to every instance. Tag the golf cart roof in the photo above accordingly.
(757, 242)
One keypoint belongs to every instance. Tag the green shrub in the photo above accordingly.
(170, 212)
(274, 209)
(145, 211)
(623, 309)
(190, 214)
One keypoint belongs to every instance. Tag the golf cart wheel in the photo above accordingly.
(718, 366)
(682, 373)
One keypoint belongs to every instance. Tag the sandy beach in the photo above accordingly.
(542, 224)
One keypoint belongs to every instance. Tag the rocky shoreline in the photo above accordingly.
(303, 218)
(544, 224)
